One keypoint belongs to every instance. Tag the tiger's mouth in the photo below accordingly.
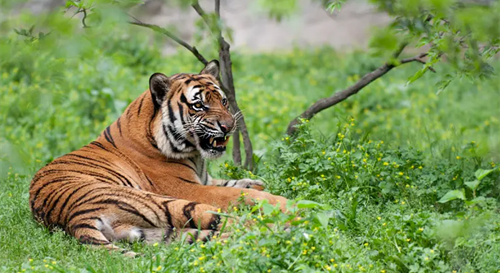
(214, 143)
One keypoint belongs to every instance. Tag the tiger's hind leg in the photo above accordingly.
(94, 215)
(95, 233)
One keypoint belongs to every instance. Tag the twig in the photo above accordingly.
(217, 8)
(324, 103)
(84, 11)
(169, 34)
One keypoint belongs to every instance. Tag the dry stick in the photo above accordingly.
(228, 87)
(171, 36)
(324, 103)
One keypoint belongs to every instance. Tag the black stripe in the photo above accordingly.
(80, 200)
(119, 124)
(181, 112)
(168, 215)
(63, 206)
(140, 105)
(126, 207)
(183, 164)
(98, 144)
(188, 210)
(109, 137)
(171, 115)
(185, 180)
(53, 194)
(87, 226)
(81, 212)
(121, 178)
(183, 99)
(57, 180)
(149, 134)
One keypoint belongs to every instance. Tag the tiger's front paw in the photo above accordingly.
(247, 183)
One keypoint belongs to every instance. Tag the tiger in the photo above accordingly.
(145, 177)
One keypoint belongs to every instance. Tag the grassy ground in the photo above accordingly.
(378, 163)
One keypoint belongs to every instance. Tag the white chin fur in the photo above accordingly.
(210, 154)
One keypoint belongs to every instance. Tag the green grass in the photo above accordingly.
(378, 162)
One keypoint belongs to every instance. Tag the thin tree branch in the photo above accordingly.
(84, 11)
(217, 8)
(324, 103)
(196, 6)
(169, 34)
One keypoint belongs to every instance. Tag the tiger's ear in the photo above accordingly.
(159, 84)
(212, 68)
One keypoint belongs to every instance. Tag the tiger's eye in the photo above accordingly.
(224, 101)
(198, 105)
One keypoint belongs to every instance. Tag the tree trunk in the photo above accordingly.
(228, 83)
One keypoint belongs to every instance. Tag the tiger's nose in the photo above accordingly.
(224, 127)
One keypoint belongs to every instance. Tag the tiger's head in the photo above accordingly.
(195, 113)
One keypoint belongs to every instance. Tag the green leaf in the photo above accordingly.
(475, 200)
(472, 184)
(306, 204)
(323, 218)
(417, 75)
(452, 195)
(480, 174)
(267, 208)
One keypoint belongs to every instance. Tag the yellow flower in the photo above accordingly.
(432, 250)
(324, 152)
(380, 218)
(386, 164)
(366, 244)
(408, 239)
(420, 167)
(402, 202)
(421, 229)
(384, 224)
(155, 244)
(219, 210)
(401, 173)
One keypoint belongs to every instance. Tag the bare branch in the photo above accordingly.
(169, 34)
(217, 8)
(324, 103)
(84, 11)
(196, 6)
